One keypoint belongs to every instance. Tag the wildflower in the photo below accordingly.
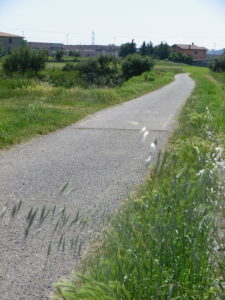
(201, 172)
(145, 135)
(209, 116)
(153, 146)
(143, 129)
(149, 159)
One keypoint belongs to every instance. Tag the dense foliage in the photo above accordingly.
(127, 49)
(135, 64)
(101, 71)
(218, 64)
(59, 55)
(146, 49)
(24, 60)
(180, 58)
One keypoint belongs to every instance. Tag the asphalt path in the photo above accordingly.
(98, 161)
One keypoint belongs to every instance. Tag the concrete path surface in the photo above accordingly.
(101, 158)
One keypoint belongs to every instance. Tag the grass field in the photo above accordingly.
(30, 107)
(163, 243)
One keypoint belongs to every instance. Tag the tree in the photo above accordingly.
(23, 60)
(162, 51)
(150, 49)
(1, 48)
(218, 64)
(128, 48)
(143, 49)
(180, 58)
(101, 71)
(76, 54)
(135, 64)
(59, 54)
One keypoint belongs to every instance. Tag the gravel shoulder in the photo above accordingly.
(102, 159)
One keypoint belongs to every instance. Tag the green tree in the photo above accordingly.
(101, 71)
(150, 49)
(162, 51)
(180, 58)
(59, 54)
(136, 64)
(1, 48)
(128, 48)
(23, 60)
(74, 53)
(218, 64)
(143, 49)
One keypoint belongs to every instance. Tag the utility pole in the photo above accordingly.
(67, 43)
(93, 38)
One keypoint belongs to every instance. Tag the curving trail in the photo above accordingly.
(102, 158)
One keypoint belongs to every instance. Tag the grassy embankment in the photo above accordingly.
(30, 107)
(162, 244)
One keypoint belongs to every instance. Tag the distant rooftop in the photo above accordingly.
(4, 34)
(187, 47)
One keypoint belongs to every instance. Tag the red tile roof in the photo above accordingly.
(4, 34)
(191, 47)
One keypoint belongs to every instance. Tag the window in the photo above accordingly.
(10, 40)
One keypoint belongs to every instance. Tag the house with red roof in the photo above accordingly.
(197, 53)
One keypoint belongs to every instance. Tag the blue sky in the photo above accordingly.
(119, 21)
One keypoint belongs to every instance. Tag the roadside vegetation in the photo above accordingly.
(166, 242)
(40, 100)
(218, 64)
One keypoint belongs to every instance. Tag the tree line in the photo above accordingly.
(161, 51)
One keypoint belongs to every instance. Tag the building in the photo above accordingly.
(10, 41)
(51, 48)
(197, 53)
(93, 50)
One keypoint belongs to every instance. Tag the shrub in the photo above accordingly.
(24, 60)
(102, 71)
(59, 54)
(74, 53)
(180, 58)
(59, 78)
(135, 64)
(69, 67)
(218, 64)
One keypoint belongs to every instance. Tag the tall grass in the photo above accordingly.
(162, 243)
(30, 107)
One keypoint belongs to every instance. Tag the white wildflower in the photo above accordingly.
(145, 135)
(153, 145)
(201, 172)
(148, 159)
(209, 116)
(143, 129)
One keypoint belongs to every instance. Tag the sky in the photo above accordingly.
(117, 21)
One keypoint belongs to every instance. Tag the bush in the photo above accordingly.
(24, 60)
(59, 55)
(218, 64)
(180, 58)
(102, 71)
(74, 53)
(135, 64)
(69, 67)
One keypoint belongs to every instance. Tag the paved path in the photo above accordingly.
(102, 158)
